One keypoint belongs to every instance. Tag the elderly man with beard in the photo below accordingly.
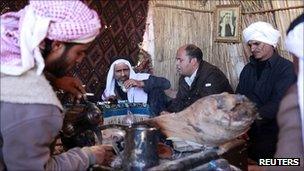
(124, 84)
(49, 36)
(264, 80)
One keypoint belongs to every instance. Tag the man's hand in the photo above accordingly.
(133, 83)
(104, 154)
(71, 85)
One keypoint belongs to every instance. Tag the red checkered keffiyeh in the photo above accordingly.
(23, 31)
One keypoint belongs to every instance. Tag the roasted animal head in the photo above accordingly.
(212, 120)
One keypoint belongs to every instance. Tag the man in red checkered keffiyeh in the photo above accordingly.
(44, 37)
(23, 31)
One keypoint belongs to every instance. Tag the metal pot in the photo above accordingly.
(140, 146)
(140, 150)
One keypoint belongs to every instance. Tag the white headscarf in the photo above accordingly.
(134, 94)
(263, 32)
(294, 44)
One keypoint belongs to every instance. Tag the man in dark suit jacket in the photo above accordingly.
(198, 78)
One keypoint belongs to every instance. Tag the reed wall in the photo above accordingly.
(175, 23)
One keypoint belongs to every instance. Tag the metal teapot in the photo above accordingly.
(140, 146)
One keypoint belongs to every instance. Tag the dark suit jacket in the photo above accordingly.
(209, 80)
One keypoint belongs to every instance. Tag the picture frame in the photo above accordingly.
(227, 23)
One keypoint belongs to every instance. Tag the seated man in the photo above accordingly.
(124, 84)
(198, 78)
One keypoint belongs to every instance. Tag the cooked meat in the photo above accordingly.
(212, 120)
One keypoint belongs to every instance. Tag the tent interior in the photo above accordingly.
(151, 31)
(155, 29)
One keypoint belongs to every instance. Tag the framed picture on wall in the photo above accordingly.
(227, 20)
